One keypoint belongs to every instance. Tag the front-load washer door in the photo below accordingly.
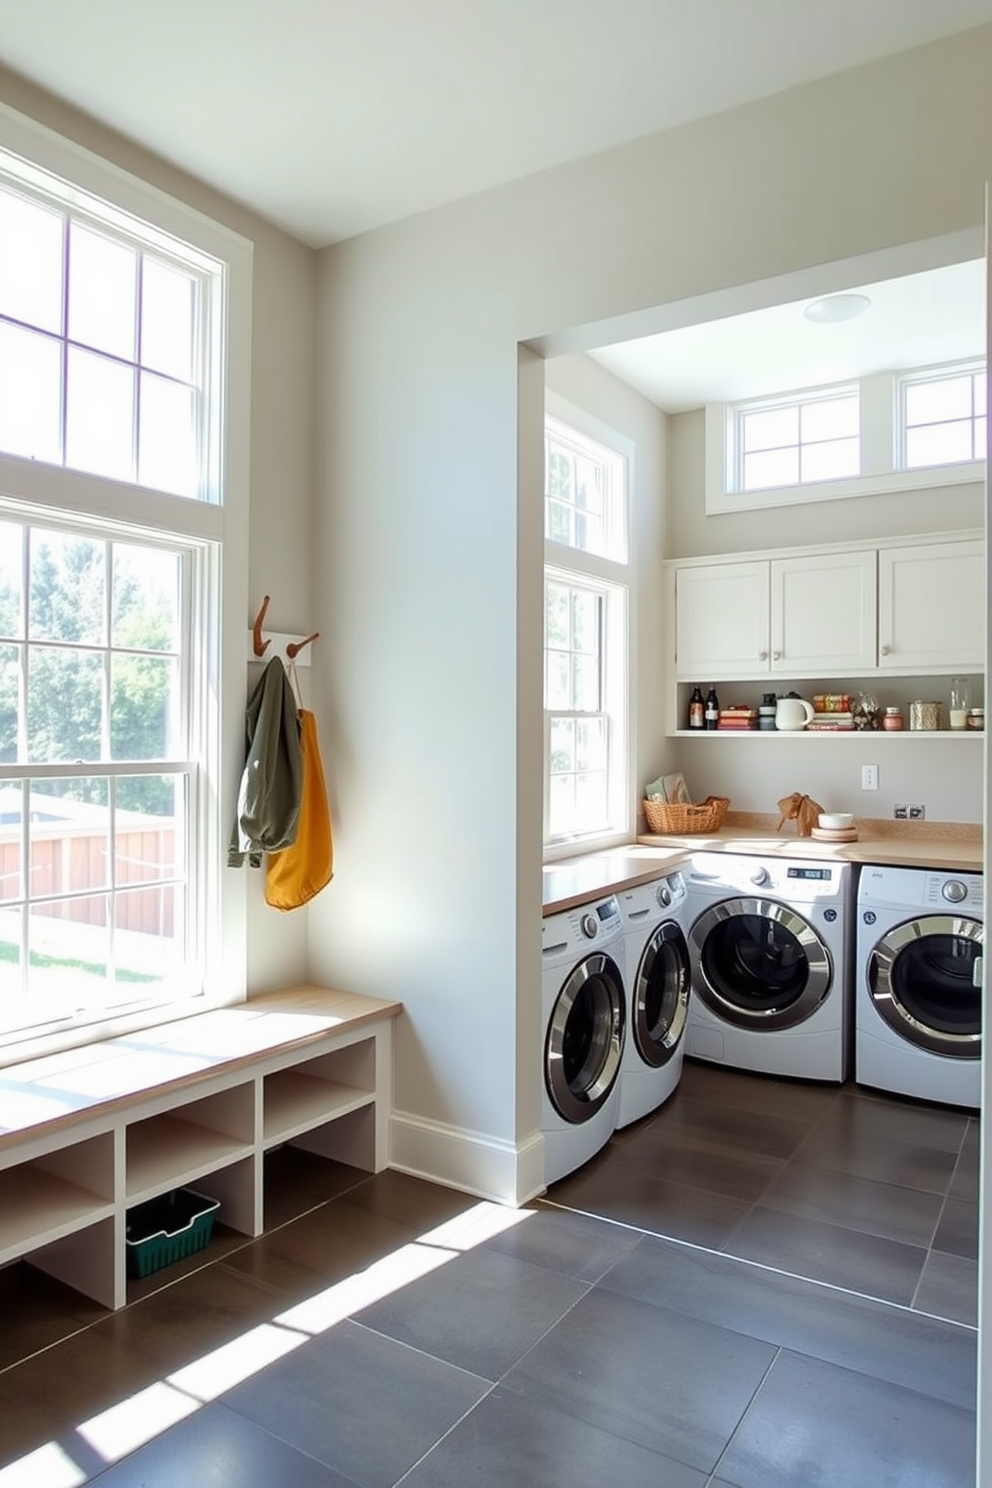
(925, 980)
(758, 964)
(660, 997)
(584, 1043)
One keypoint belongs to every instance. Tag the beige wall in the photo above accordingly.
(421, 522)
(282, 412)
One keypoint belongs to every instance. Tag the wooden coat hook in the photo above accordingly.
(285, 645)
(295, 647)
(258, 645)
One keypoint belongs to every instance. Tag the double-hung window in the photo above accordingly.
(585, 636)
(122, 502)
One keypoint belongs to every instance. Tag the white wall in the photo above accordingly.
(422, 522)
(282, 413)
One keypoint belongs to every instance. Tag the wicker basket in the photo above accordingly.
(666, 817)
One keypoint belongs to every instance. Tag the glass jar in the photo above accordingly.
(892, 719)
(976, 718)
(960, 698)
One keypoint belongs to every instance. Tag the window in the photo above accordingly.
(943, 418)
(787, 444)
(585, 636)
(886, 433)
(98, 778)
(123, 442)
(103, 356)
(585, 503)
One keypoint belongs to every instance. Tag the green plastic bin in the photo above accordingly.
(168, 1229)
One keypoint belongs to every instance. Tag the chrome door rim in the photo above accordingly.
(894, 1012)
(819, 965)
(571, 1107)
(652, 1051)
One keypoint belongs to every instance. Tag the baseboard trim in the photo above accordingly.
(472, 1162)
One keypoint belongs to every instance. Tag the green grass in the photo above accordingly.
(92, 968)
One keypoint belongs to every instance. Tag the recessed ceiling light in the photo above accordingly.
(837, 307)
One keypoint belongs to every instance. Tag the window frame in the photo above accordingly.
(882, 447)
(214, 529)
(612, 579)
(928, 376)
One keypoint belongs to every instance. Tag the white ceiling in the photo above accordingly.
(331, 117)
(914, 321)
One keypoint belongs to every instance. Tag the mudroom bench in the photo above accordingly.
(90, 1132)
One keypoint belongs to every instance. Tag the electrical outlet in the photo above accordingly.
(869, 777)
(917, 813)
(901, 813)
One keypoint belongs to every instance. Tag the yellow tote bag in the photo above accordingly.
(295, 875)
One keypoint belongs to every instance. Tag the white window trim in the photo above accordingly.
(881, 440)
(566, 562)
(46, 490)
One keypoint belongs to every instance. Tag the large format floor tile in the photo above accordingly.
(508, 1440)
(701, 1306)
(813, 1424)
(215, 1447)
(669, 1382)
(365, 1405)
(828, 1252)
(926, 1354)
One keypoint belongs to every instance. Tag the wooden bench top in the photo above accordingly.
(101, 1078)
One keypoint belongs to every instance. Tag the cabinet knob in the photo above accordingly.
(776, 656)
(762, 655)
(884, 650)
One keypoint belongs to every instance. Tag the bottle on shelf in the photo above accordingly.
(697, 709)
(712, 713)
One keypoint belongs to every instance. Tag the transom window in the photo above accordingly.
(944, 418)
(584, 504)
(103, 351)
(884, 434)
(794, 443)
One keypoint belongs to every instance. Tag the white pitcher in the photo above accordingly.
(792, 713)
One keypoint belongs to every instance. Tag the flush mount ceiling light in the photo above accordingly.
(834, 308)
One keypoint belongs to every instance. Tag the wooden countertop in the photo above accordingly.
(953, 846)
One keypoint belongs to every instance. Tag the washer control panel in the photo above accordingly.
(599, 919)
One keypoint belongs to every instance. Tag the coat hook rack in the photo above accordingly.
(289, 647)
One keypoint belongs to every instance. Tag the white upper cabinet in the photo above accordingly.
(931, 607)
(910, 607)
(721, 620)
(823, 613)
(809, 615)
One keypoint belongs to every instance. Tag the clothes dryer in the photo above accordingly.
(770, 947)
(656, 959)
(584, 1019)
(918, 1017)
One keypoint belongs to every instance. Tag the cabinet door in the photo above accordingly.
(823, 614)
(931, 607)
(721, 621)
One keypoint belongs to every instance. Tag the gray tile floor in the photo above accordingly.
(764, 1285)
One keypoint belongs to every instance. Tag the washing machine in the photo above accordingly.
(919, 957)
(656, 970)
(771, 949)
(584, 1022)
